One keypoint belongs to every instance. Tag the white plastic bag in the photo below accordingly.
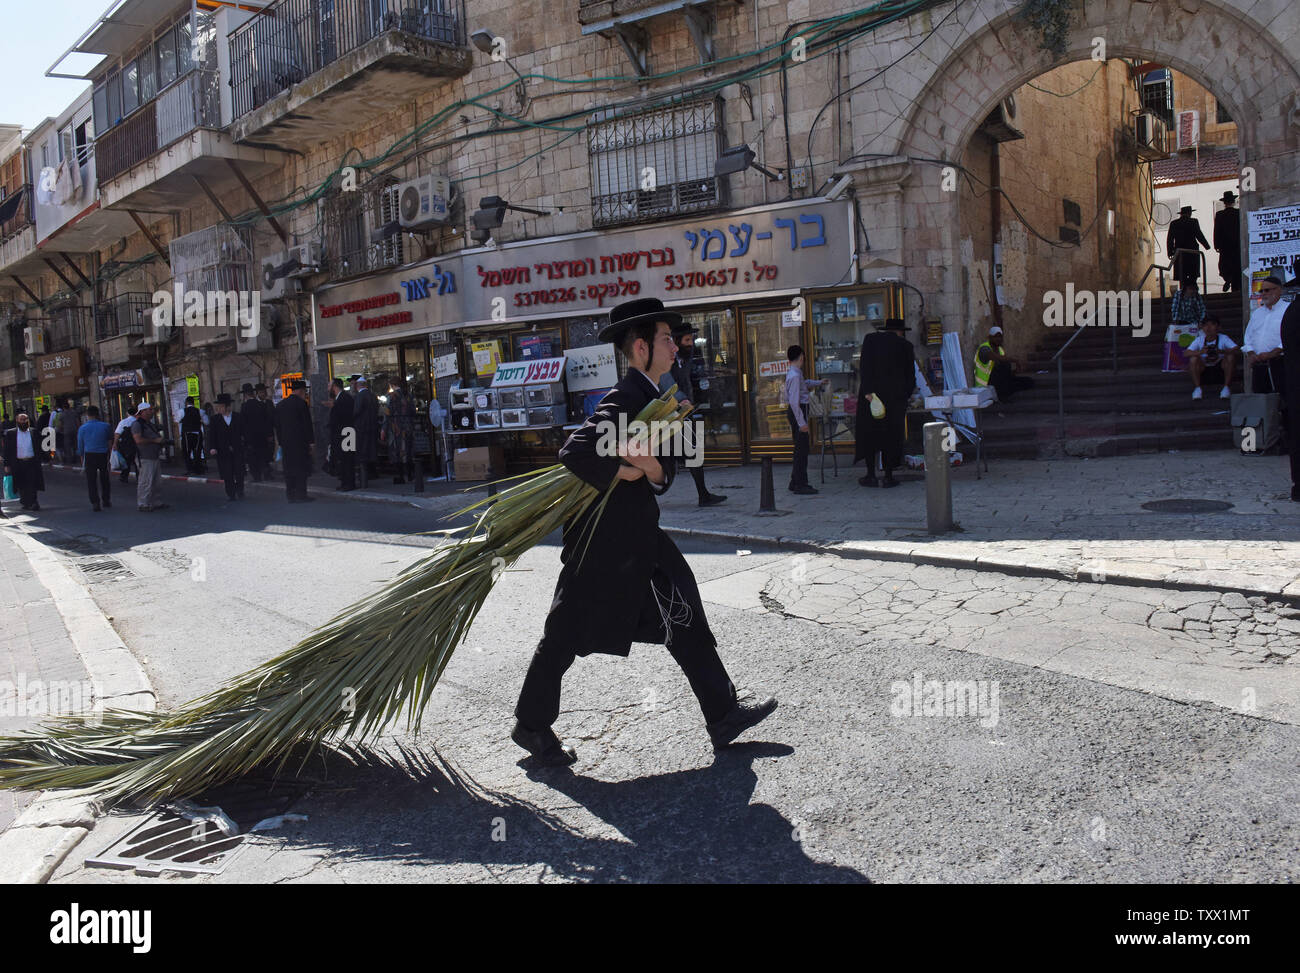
(116, 463)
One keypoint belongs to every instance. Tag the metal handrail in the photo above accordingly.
(1114, 344)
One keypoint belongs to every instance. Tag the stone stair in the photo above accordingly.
(1136, 408)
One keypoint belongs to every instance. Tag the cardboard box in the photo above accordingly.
(976, 398)
(479, 462)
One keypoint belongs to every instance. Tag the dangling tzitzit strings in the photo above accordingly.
(677, 611)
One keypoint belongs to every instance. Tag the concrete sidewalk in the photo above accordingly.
(58, 655)
(1069, 518)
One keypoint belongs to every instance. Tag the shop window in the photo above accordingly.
(839, 325)
(649, 165)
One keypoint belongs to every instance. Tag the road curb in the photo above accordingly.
(993, 563)
(53, 825)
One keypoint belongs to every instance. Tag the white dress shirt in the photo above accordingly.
(26, 449)
(1264, 331)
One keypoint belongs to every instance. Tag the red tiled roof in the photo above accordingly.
(1186, 167)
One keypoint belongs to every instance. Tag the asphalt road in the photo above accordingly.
(1072, 760)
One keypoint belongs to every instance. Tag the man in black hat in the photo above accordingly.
(264, 399)
(365, 420)
(259, 433)
(228, 446)
(623, 578)
(680, 375)
(293, 427)
(1227, 241)
(1185, 234)
(343, 437)
(887, 370)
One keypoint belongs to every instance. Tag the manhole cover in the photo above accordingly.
(1187, 506)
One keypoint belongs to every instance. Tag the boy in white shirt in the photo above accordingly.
(1211, 357)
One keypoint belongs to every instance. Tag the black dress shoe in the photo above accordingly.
(740, 719)
(97, 508)
(36, 506)
(712, 499)
(889, 482)
(868, 481)
(544, 745)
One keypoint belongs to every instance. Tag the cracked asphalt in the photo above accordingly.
(935, 724)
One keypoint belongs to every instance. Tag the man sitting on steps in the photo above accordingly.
(1212, 358)
(993, 367)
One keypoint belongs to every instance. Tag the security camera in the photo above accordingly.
(838, 189)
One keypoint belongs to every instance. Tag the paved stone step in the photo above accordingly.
(1115, 445)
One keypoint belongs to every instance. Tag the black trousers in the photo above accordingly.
(194, 452)
(27, 474)
(1269, 376)
(693, 650)
(97, 482)
(232, 474)
(1006, 382)
(885, 438)
(347, 467)
(295, 485)
(799, 465)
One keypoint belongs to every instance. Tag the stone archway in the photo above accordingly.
(929, 108)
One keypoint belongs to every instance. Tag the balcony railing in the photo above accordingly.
(293, 39)
(126, 314)
(193, 101)
(22, 216)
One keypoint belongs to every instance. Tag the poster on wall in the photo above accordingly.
(590, 368)
(487, 356)
(1273, 237)
(444, 365)
(176, 394)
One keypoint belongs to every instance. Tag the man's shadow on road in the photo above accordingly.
(686, 826)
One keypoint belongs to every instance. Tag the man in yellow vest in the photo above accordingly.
(993, 367)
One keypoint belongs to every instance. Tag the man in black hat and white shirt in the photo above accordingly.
(680, 375)
(226, 435)
(623, 578)
(1227, 241)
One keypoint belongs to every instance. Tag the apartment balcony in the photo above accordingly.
(303, 71)
(149, 160)
(17, 228)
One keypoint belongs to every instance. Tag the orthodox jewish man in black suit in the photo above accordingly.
(226, 443)
(630, 584)
(341, 415)
(297, 436)
(887, 370)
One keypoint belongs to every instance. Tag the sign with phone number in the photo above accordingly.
(1274, 238)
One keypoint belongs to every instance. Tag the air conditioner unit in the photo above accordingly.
(156, 335)
(274, 270)
(34, 340)
(423, 201)
(1189, 129)
(1151, 135)
(304, 260)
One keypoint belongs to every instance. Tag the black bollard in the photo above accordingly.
(766, 496)
(419, 475)
(492, 488)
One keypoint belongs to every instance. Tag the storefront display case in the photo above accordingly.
(840, 320)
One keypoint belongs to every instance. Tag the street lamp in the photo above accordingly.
(739, 158)
(486, 42)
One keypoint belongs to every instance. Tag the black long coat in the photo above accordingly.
(603, 599)
(1290, 357)
(25, 469)
(228, 441)
(293, 428)
(1185, 234)
(342, 413)
(1227, 240)
(258, 427)
(887, 369)
(365, 417)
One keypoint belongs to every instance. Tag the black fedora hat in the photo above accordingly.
(684, 327)
(1229, 196)
(623, 316)
(894, 324)
(259, 387)
(246, 388)
(224, 399)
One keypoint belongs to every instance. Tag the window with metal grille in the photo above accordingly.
(656, 163)
(349, 219)
(1158, 94)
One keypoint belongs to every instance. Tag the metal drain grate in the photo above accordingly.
(84, 551)
(1187, 506)
(169, 840)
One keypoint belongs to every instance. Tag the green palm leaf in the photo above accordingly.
(372, 662)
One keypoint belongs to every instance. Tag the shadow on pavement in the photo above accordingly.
(413, 809)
